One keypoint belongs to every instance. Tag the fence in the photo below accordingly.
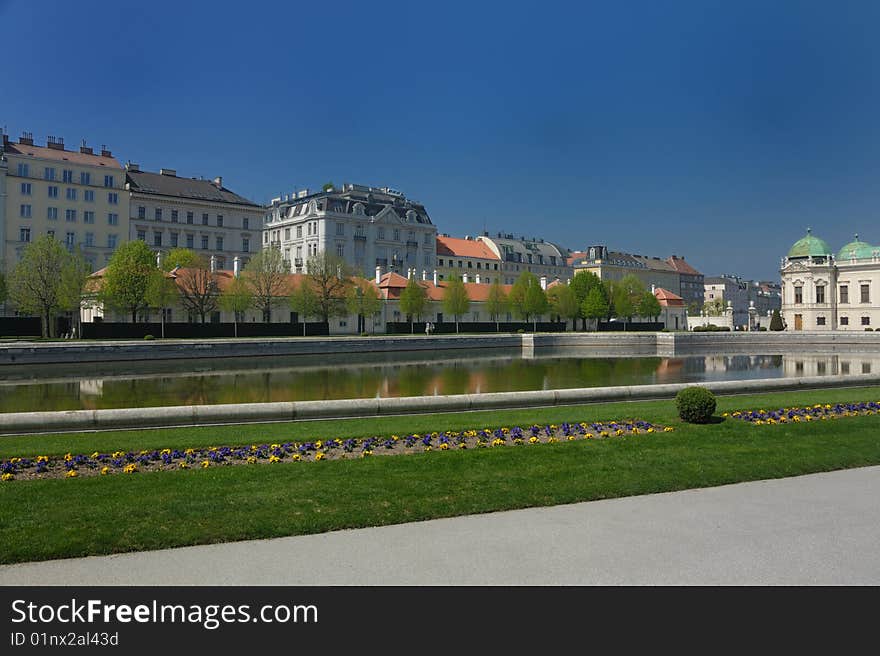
(111, 330)
(448, 327)
(632, 326)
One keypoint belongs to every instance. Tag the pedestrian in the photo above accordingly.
(427, 328)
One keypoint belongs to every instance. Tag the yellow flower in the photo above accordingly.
(588, 436)
(366, 453)
(68, 457)
(651, 430)
(95, 455)
(42, 458)
(296, 457)
(619, 431)
(319, 444)
(319, 456)
(274, 458)
(444, 446)
(497, 442)
(274, 446)
(571, 438)
(668, 429)
(183, 465)
(72, 474)
(7, 477)
(189, 452)
(165, 452)
(206, 464)
(603, 434)
(533, 440)
(252, 460)
(427, 448)
(552, 439)
(635, 430)
(118, 454)
(105, 471)
(130, 468)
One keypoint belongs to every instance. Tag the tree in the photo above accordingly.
(266, 277)
(595, 306)
(74, 274)
(694, 308)
(199, 292)
(363, 300)
(330, 277)
(3, 288)
(649, 306)
(496, 302)
(535, 303)
(413, 301)
(161, 293)
(627, 295)
(517, 296)
(582, 284)
(456, 300)
(304, 301)
(776, 321)
(180, 257)
(35, 282)
(237, 299)
(715, 307)
(563, 303)
(127, 277)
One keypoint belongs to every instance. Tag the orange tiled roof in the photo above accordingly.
(679, 264)
(72, 156)
(667, 298)
(464, 248)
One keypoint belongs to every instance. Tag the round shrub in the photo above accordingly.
(695, 405)
(148, 337)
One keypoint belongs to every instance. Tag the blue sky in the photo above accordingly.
(714, 130)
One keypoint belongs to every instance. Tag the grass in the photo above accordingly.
(65, 518)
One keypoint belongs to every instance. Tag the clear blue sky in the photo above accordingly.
(714, 130)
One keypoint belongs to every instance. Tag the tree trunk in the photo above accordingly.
(162, 310)
(235, 326)
(456, 325)
(134, 315)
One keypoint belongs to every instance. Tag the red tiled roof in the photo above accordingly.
(72, 156)
(667, 298)
(464, 248)
(679, 264)
(576, 256)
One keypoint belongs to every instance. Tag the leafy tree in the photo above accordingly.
(627, 296)
(180, 257)
(199, 292)
(535, 303)
(266, 277)
(456, 300)
(34, 285)
(563, 303)
(237, 299)
(74, 274)
(496, 302)
(4, 291)
(162, 292)
(517, 296)
(127, 277)
(413, 301)
(649, 306)
(776, 321)
(363, 300)
(595, 306)
(304, 301)
(582, 283)
(694, 308)
(715, 307)
(330, 277)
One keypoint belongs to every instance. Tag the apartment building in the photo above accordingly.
(540, 257)
(468, 259)
(614, 265)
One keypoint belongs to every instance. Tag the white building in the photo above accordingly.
(368, 227)
(535, 255)
(168, 212)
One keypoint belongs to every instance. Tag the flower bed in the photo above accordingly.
(818, 412)
(102, 464)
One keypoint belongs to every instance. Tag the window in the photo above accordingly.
(70, 240)
(52, 191)
(190, 239)
(158, 214)
(866, 321)
(113, 198)
(25, 188)
(844, 367)
(380, 233)
(219, 243)
(219, 220)
(245, 223)
(396, 234)
(245, 244)
(189, 218)
(204, 242)
(90, 239)
(287, 233)
(440, 262)
(142, 212)
(427, 239)
(24, 172)
(866, 296)
(470, 264)
(24, 211)
(71, 193)
(340, 250)
(157, 238)
(844, 321)
(142, 235)
(24, 234)
(48, 173)
(70, 216)
(108, 181)
(89, 195)
(820, 321)
(299, 232)
(112, 218)
(52, 213)
(51, 233)
(67, 175)
(88, 217)
(820, 294)
(173, 216)
(866, 367)
(111, 241)
(174, 237)
(340, 229)
(85, 178)
(205, 219)
(459, 264)
(798, 295)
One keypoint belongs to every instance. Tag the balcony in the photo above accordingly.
(412, 244)
(358, 237)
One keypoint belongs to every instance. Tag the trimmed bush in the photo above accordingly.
(148, 337)
(695, 405)
(776, 321)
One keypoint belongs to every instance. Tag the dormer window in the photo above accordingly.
(359, 209)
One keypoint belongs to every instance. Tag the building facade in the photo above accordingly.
(78, 196)
(365, 226)
(167, 211)
(614, 265)
(540, 257)
(748, 298)
(469, 260)
(691, 282)
(821, 291)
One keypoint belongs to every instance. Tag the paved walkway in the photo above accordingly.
(817, 529)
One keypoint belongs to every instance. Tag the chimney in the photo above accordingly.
(105, 152)
(26, 139)
(55, 143)
(85, 150)
(213, 263)
(477, 279)
(158, 259)
(131, 166)
(5, 137)
(409, 273)
(378, 274)
(464, 278)
(236, 266)
(543, 282)
(652, 288)
(424, 275)
(218, 181)
(435, 277)
(169, 172)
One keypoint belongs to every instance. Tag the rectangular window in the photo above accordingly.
(866, 295)
(245, 223)
(219, 220)
(798, 295)
(67, 175)
(24, 234)
(158, 214)
(820, 321)
(219, 244)
(25, 188)
(204, 219)
(71, 193)
(113, 198)
(157, 238)
(173, 216)
(245, 244)
(142, 235)
(866, 321)
(23, 172)
(189, 241)
(70, 216)
(142, 212)
(90, 239)
(396, 234)
(286, 233)
(204, 242)
(48, 173)
(108, 181)
(189, 218)
(85, 178)
(52, 213)
(111, 241)
(440, 262)
(52, 191)
(299, 232)
(844, 321)
(340, 229)
(340, 250)
(70, 240)
(174, 237)
(24, 211)
(820, 294)
(88, 217)
(89, 195)
(112, 218)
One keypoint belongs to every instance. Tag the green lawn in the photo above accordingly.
(65, 518)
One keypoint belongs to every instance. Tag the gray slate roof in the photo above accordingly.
(171, 185)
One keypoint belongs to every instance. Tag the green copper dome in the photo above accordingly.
(856, 249)
(808, 246)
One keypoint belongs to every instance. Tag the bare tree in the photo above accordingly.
(266, 276)
(331, 280)
(199, 293)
